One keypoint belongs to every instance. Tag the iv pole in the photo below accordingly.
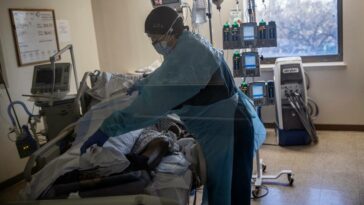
(210, 23)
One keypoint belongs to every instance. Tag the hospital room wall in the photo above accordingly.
(119, 26)
(338, 91)
(79, 15)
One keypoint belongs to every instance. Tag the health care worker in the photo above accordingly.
(195, 82)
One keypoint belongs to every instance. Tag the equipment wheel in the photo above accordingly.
(256, 192)
(264, 167)
(290, 179)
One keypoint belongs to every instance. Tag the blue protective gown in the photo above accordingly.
(195, 83)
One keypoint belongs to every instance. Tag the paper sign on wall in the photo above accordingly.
(64, 31)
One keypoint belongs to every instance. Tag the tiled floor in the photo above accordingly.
(329, 173)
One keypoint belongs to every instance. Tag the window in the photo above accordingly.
(311, 29)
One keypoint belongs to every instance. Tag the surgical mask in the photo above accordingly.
(162, 48)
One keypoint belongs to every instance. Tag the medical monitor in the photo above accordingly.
(250, 61)
(43, 78)
(249, 33)
(258, 91)
(170, 3)
(250, 64)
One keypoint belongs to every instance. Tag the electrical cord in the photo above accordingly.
(262, 187)
(312, 104)
(301, 117)
(308, 116)
(316, 108)
(298, 104)
(301, 111)
(310, 109)
(308, 82)
(294, 103)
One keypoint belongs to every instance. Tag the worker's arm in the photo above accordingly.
(179, 78)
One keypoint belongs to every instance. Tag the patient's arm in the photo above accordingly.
(150, 157)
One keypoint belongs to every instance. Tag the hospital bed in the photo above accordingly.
(136, 184)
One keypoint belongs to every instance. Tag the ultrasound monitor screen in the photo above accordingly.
(258, 91)
(46, 76)
(248, 33)
(250, 62)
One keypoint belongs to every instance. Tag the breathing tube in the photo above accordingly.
(11, 114)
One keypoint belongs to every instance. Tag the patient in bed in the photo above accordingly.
(147, 161)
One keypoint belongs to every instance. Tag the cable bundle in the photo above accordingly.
(305, 113)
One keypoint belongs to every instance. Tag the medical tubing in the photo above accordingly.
(310, 109)
(299, 112)
(303, 121)
(302, 118)
(301, 100)
(263, 187)
(11, 105)
(317, 110)
(316, 107)
(298, 104)
(308, 82)
(312, 125)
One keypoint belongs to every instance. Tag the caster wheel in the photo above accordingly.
(290, 179)
(264, 167)
(256, 193)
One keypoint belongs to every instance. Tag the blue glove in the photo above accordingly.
(133, 88)
(99, 138)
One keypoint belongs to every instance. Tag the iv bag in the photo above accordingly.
(199, 12)
(236, 15)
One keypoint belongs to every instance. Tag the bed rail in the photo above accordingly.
(33, 158)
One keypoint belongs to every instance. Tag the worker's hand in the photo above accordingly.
(99, 138)
(133, 88)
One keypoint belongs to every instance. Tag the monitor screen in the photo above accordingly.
(164, 2)
(248, 31)
(250, 62)
(258, 91)
(45, 77)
